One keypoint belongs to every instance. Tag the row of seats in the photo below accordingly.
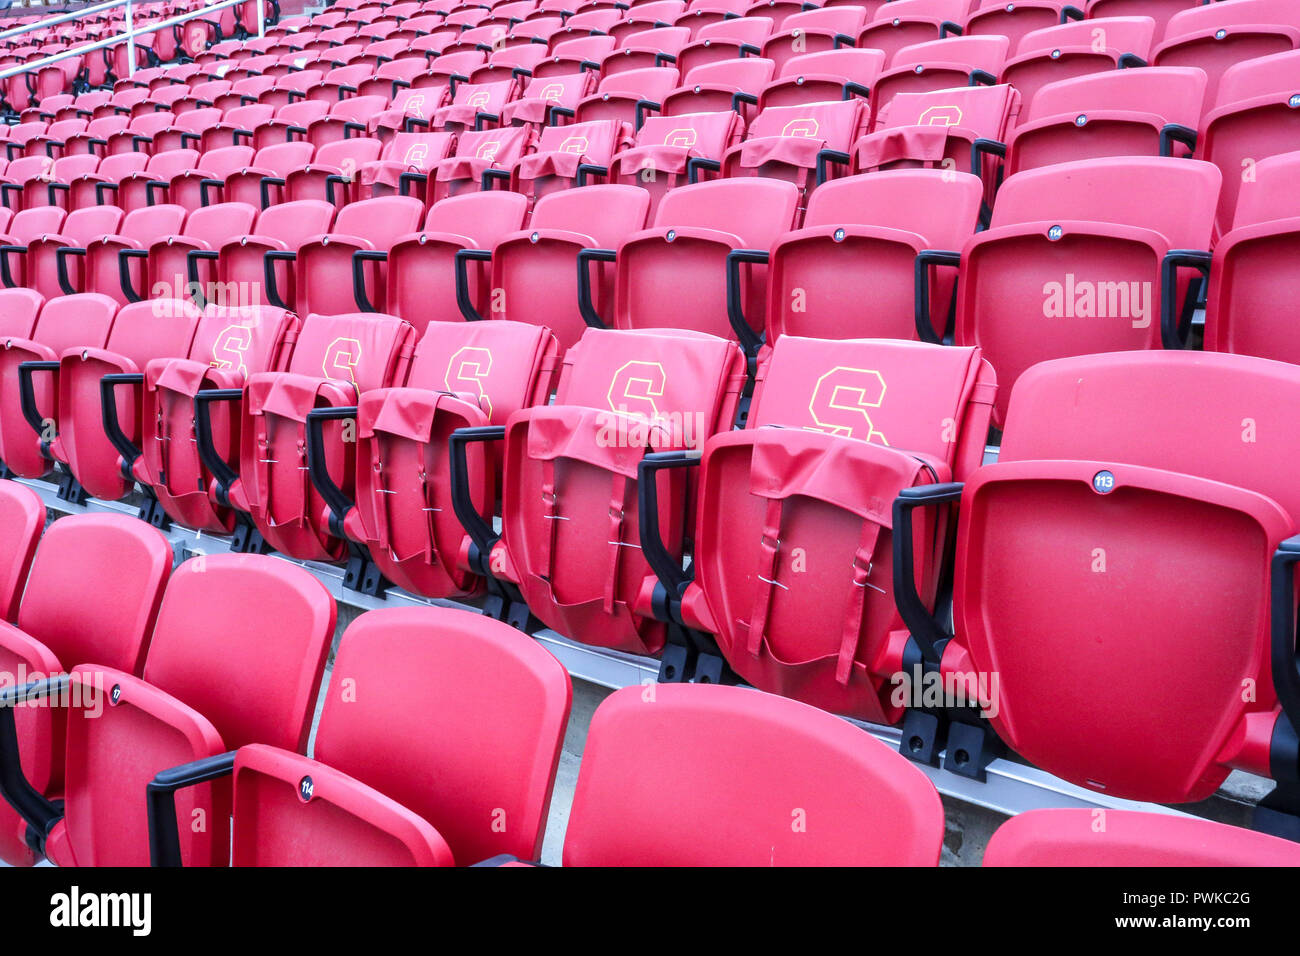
(419, 758)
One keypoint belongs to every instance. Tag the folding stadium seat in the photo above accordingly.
(1100, 459)
(325, 266)
(627, 96)
(814, 31)
(141, 332)
(475, 106)
(23, 521)
(514, 62)
(333, 172)
(656, 15)
(389, 79)
(1014, 20)
(685, 258)
(940, 64)
(1253, 270)
(574, 155)
(546, 100)
(823, 77)
(104, 267)
(1148, 112)
(531, 269)
(168, 269)
(675, 150)
(1159, 10)
(404, 161)
(116, 568)
(181, 709)
(751, 490)
(496, 753)
(229, 344)
(33, 181)
(261, 183)
(463, 375)
(806, 144)
(1060, 837)
(572, 550)
(645, 49)
(52, 141)
(850, 272)
(202, 185)
(725, 85)
(1077, 49)
(1084, 258)
(237, 125)
(422, 285)
(954, 130)
(894, 27)
(1255, 117)
(726, 40)
(35, 264)
(1215, 37)
(336, 358)
(410, 110)
(133, 189)
(573, 56)
(736, 763)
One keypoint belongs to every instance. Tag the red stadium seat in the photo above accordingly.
(1130, 838)
(743, 770)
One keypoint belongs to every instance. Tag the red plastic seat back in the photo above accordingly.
(19, 309)
(683, 257)
(1072, 49)
(1060, 837)
(621, 395)
(216, 678)
(750, 773)
(784, 142)
(877, 222)
(142, 332)
(1071, 264)
(118, 566)
(22, 518)
(495, 744)
(532, 268)
(1215, 38)
(65, 322)
(324, 267)
(666, 145)
(1114, 502)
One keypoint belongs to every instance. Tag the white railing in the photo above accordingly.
(129, 33)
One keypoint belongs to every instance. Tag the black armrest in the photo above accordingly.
(350, 127)
(1129, 61)
(160, 799)
(827, 156)
(124, 257)
(925, 259)
(748, 49)
(643, 107)
(1071, 12)
(585, 169)
(137, 139)
(479, 530)
(5, 275)
(851, 89)
(494, 175)
(1173, 330)
(585, 306)
(267, 182)
(948, 28)
(742, 97)
(925, 629)
(405, 180)
(150, 187)
(481, 118)
(7, 188)
(187, 137)
(192, 270)
(99, 191)
(360, 256)
(666, 568)
(112, 427)
(1172, 133)
(750, 340)
(463, 258)
(38, 812)
(269, 258)
(412, 121)
(982, 78)
(225, 475)
(335, 179)
(696, 164)
(662, 58)
(27, 394)
(61, 266)
(985, 147)
(339, 503)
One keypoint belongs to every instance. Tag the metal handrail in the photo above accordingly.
(131, 32)
(61, 18)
